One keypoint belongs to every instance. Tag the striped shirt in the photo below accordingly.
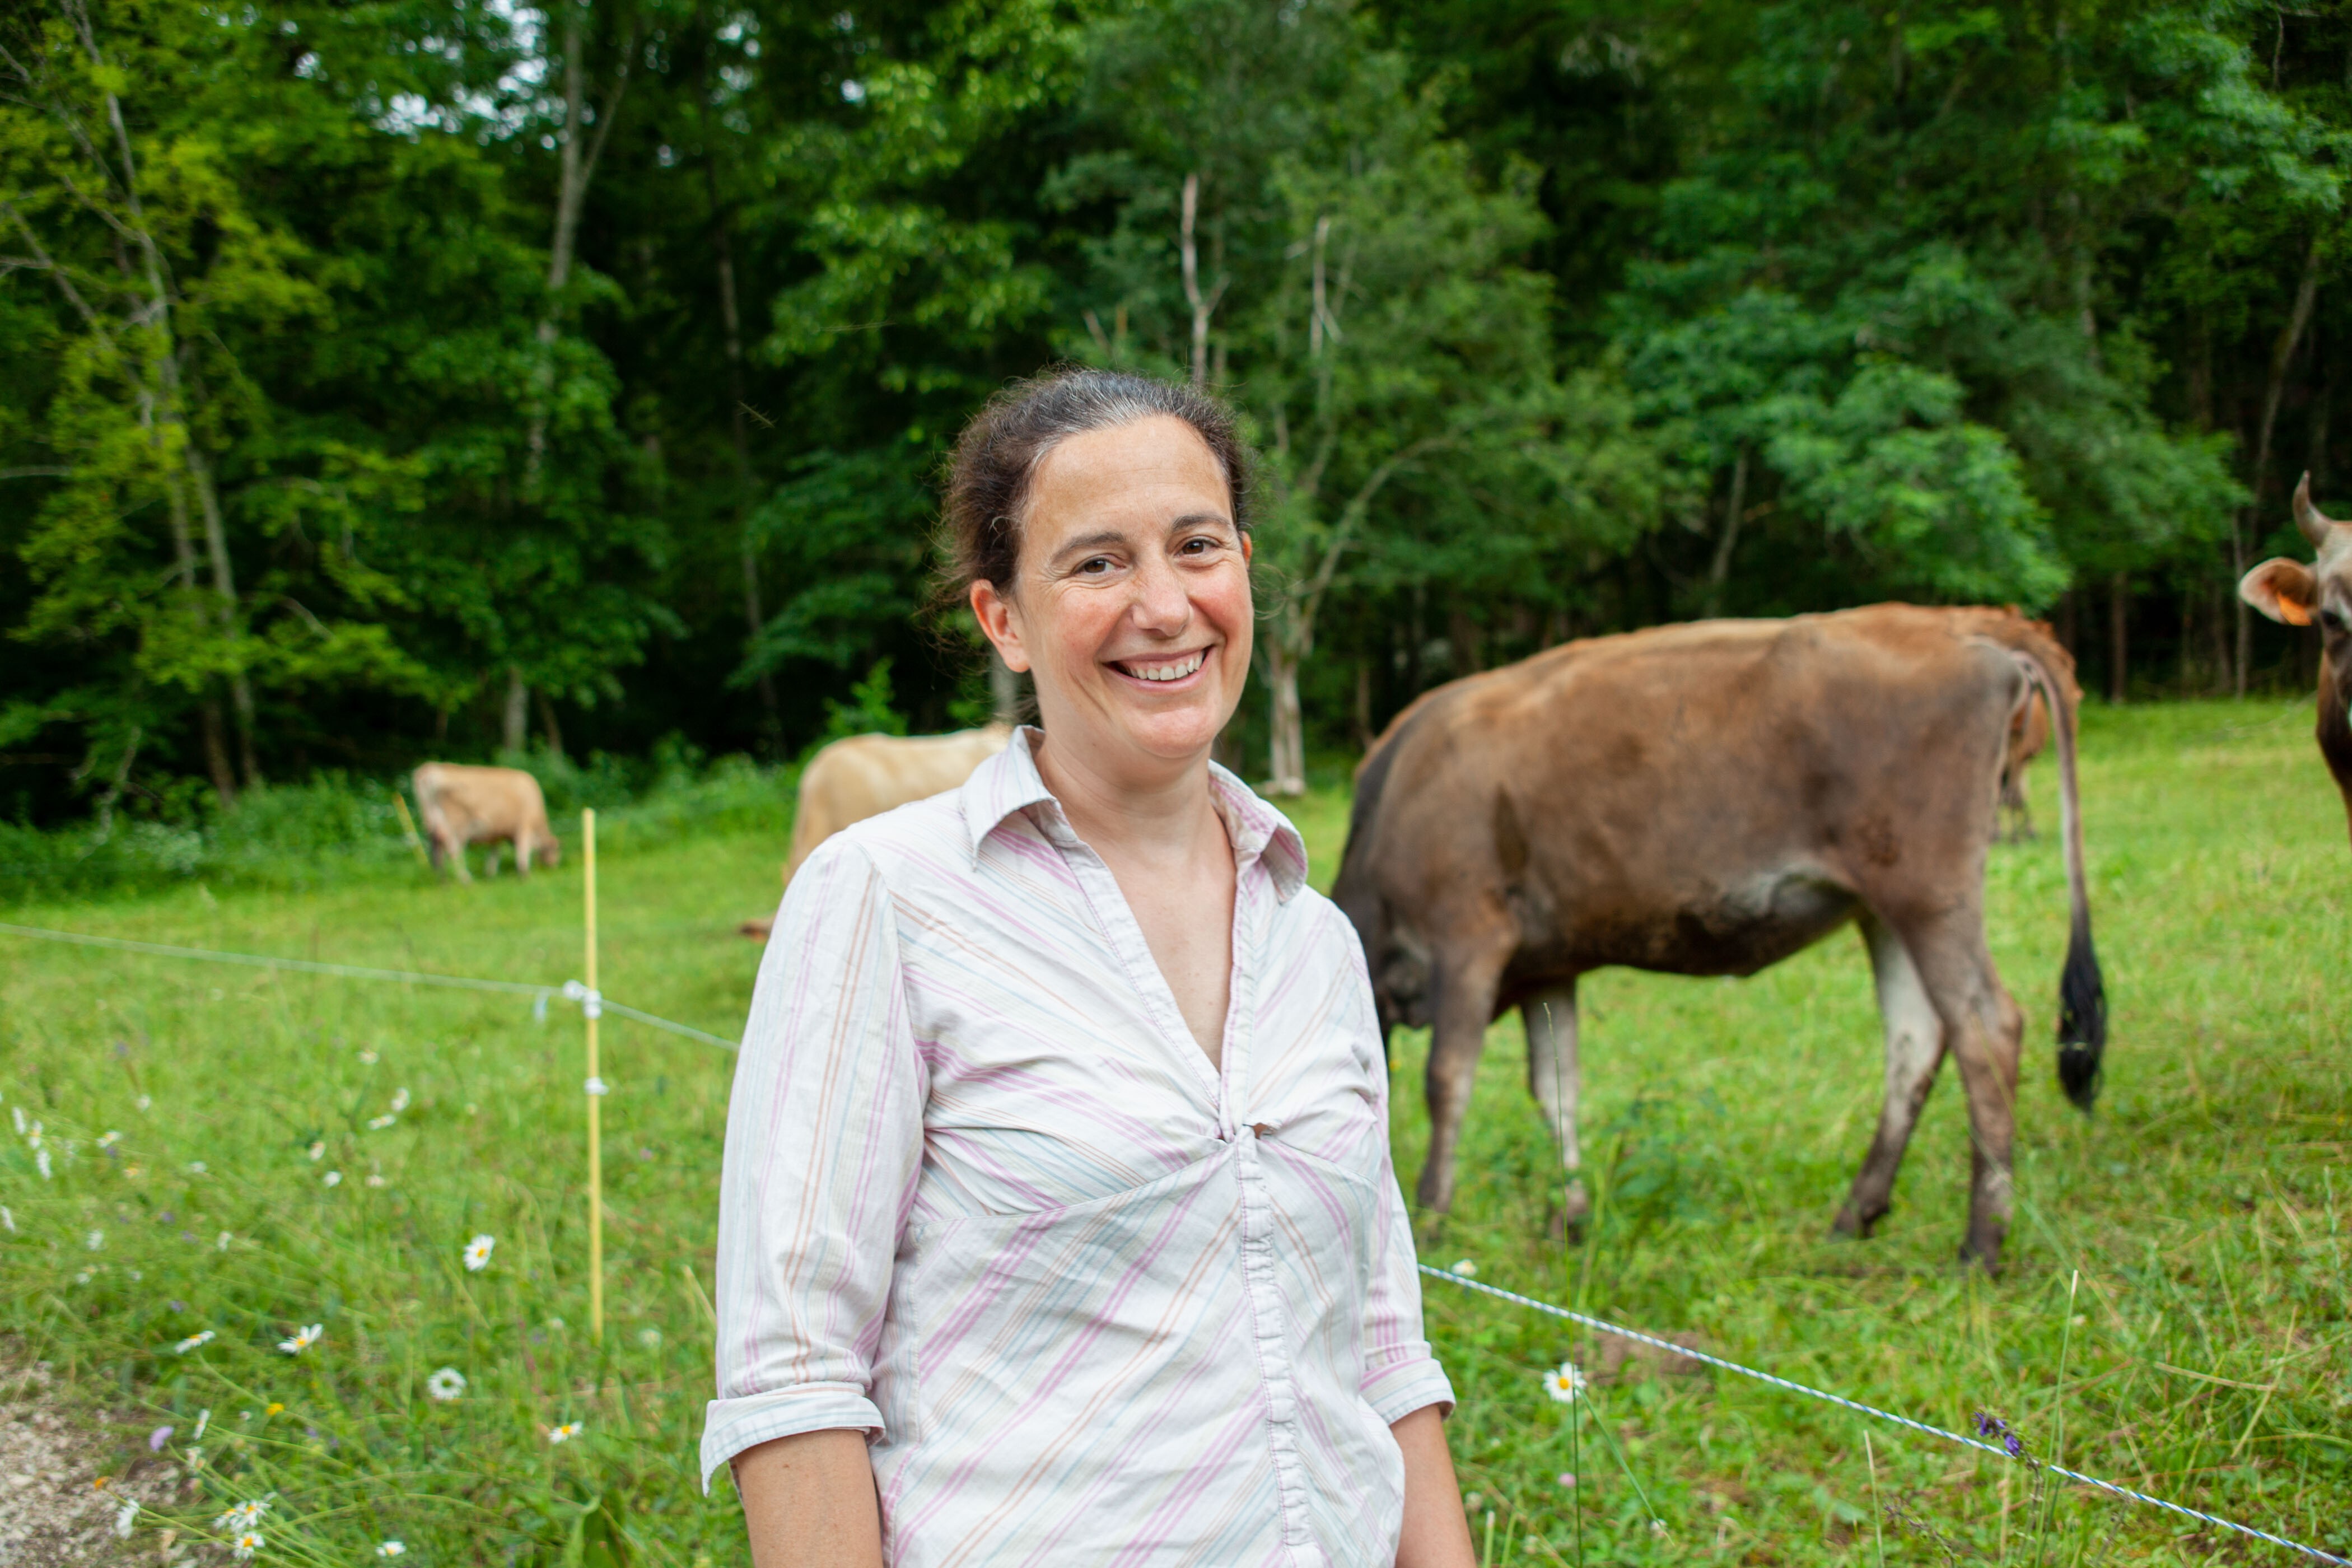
(1091, 1299)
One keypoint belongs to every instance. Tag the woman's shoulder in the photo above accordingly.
(906, 844)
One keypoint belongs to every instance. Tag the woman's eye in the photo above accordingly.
(1094, 567)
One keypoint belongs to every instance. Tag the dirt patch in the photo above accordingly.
(59, 1504)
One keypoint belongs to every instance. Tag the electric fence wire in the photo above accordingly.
(1620, 1332)
(570, 991)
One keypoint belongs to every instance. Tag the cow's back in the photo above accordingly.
(1713, 776)
(866, 776)
(478, 802)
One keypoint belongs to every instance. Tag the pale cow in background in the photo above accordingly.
(462, 805)
(866, 776)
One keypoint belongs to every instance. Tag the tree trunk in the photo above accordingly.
(1719, 571)
(2241, 524)
(518, 716)
(1204, 306)
(1289, 727)
(240, 690)
(2119, 612)
(574, 171)
(215, 736)
(730, 318)
(547, 724)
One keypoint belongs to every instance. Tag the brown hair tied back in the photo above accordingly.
(996, 459)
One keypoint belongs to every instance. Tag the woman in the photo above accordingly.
(1057, 1224)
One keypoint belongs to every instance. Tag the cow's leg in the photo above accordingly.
(456, 853)
(1984, 1030)
(1915, 1047)
(523, 853)
(1466, 978)
(1550, 1018)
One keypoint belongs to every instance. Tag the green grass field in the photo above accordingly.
(2205, 1207)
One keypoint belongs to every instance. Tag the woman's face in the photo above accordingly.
(1131, 604)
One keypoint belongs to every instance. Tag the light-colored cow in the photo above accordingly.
(461, 806)
(866, 776)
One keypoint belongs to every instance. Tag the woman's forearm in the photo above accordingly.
(1435, 1534)
(809, 1502)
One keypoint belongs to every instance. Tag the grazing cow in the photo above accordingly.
(866, 776)
(1709, 799)
(461, 806)
(2294, 594)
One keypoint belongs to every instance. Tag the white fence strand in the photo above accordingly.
(1619, 1331)
(569, 990)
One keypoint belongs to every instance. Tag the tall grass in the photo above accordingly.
(2205, 1206)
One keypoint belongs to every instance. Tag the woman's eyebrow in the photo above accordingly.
(1100, 538)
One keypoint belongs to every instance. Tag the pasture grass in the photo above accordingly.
(2205, 1207)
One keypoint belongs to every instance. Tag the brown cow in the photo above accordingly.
(2294, 594)
(866, 776)
(1709, 799)
(461, 806)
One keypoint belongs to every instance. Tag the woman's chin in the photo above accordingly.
(1176, 732)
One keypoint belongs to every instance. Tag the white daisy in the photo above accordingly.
(221, 1244)
(392, 1549)
(246, 1543)
(201, 1337)
(108, 1139)
(304, 1338)
(95, 1241)
(1565, 1383)
(446, 1384)
(564, 1434)
(477, 1253)
(126, 1517)
(195, 1167)
(399, 1101)
(1465, 1268)
(204, 1419)
(378, 1123)
(244, 1515)
(334, 1178)
(368, 1057)
(41, 1160)
(318, 1149)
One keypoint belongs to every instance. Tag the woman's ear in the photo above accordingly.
(998, 622)
(1249, 549)
(2282, 589)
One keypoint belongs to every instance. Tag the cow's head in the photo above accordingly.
(2295, 595)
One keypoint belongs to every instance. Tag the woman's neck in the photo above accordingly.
(1161, 812)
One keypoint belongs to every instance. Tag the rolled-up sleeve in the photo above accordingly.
(824, 1138)
(1401, 1374)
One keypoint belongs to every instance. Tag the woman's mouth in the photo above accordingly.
(1162, 671)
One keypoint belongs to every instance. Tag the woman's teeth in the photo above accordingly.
(1176, 670)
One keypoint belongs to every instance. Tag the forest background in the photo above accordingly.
(452, 378)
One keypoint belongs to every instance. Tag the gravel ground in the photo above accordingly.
(58, 1503)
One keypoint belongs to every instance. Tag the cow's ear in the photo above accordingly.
(2282, 589)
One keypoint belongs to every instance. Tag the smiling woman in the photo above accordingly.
(1058, 1222)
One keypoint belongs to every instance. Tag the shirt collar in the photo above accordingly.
(1009, 782)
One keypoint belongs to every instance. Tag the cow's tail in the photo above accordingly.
(2082, 994)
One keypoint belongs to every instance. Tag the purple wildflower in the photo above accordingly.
(157, 1438)
(2014, 1445)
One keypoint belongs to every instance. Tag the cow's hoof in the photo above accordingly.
(1428, 1226)
(1855, 1225)
(1984, 1255)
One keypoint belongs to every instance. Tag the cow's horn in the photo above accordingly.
(2314, 522)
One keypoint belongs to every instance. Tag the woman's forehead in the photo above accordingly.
(1151, 470)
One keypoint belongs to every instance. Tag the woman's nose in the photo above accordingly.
(1160, 603)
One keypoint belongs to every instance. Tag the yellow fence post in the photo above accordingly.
(595, 1089)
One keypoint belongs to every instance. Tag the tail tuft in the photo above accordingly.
(2082, 1022)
